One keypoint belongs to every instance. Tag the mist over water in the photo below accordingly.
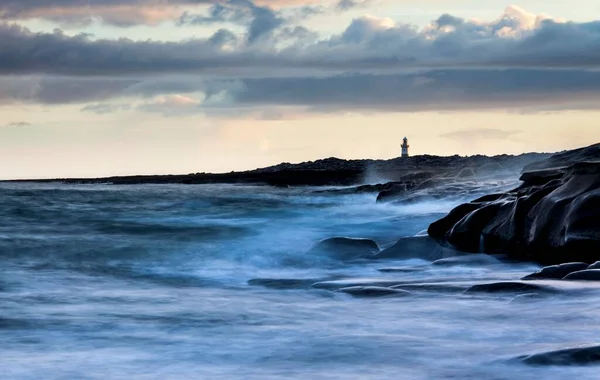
(177, 282)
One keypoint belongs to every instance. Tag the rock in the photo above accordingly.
(341, 248)
(542, 177)
(565, 357)
(595, 265)
(584, 275)
(415, 247)
(374, 291)
(433, 287)
(283, 283)
(395, 190)
(552, 218)
(509, 287)
(556, 271)
(469, 260)
(363, 189)
(339, 284)
(567, 158)
(402, 269)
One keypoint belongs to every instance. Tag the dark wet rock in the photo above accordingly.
(552, 218)
(415, 247)
(363, 189)
(396, 190)
(333, 171)
(339, 284)
(527, 298)
(542, 177)
(566, 357)
(433, 287)
(342, 248)
(468, 260)
(374, 291)
(566, 158)
(556, 271)
(584, 275)
(402, 269)
(509, 287)
(595, 265)
(283, 283)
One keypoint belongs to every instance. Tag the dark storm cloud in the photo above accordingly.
(60, 90)
(530, 90)
(122, 13)
(368, 44)
(433, 90)
(517, 61)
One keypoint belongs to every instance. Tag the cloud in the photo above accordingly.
(18, 124)
(480, 134)
(172, 105)
(520, 60)
(105, 108)
(524, 89)
(346, 5)
(81, 12)
(369, 44)
(120, 13)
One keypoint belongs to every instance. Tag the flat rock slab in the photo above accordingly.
(584, 275)
(402, 269)
(342, 248)
(374, 291)
(566, 357)
(556, 271)
(595, 265)
(510, 287)
(283, 283)
(433, 287)
(414, 247)
(339, 284)
(468, 260)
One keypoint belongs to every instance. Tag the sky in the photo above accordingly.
(116, 87)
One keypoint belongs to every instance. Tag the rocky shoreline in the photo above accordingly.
(552, 218)
(360, 175)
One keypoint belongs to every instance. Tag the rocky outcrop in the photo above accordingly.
(552, 218)
(556, 272)
(565, 357)
(374, 291)
(415, 247)
(338, 172)
(565, 159)
(342, 248)
(584, 275)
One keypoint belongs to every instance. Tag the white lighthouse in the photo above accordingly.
(405, 148)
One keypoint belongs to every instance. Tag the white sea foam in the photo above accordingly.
(152, 282)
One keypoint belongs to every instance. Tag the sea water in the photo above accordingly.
(164, 282)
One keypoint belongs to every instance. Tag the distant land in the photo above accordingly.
(331, 171)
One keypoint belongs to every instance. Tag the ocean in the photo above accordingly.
(215, 282)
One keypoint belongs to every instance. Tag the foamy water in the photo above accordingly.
(146, 282)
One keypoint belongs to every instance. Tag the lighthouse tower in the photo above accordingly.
(405, 148)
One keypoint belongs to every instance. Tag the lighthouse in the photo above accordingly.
(405, 148)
